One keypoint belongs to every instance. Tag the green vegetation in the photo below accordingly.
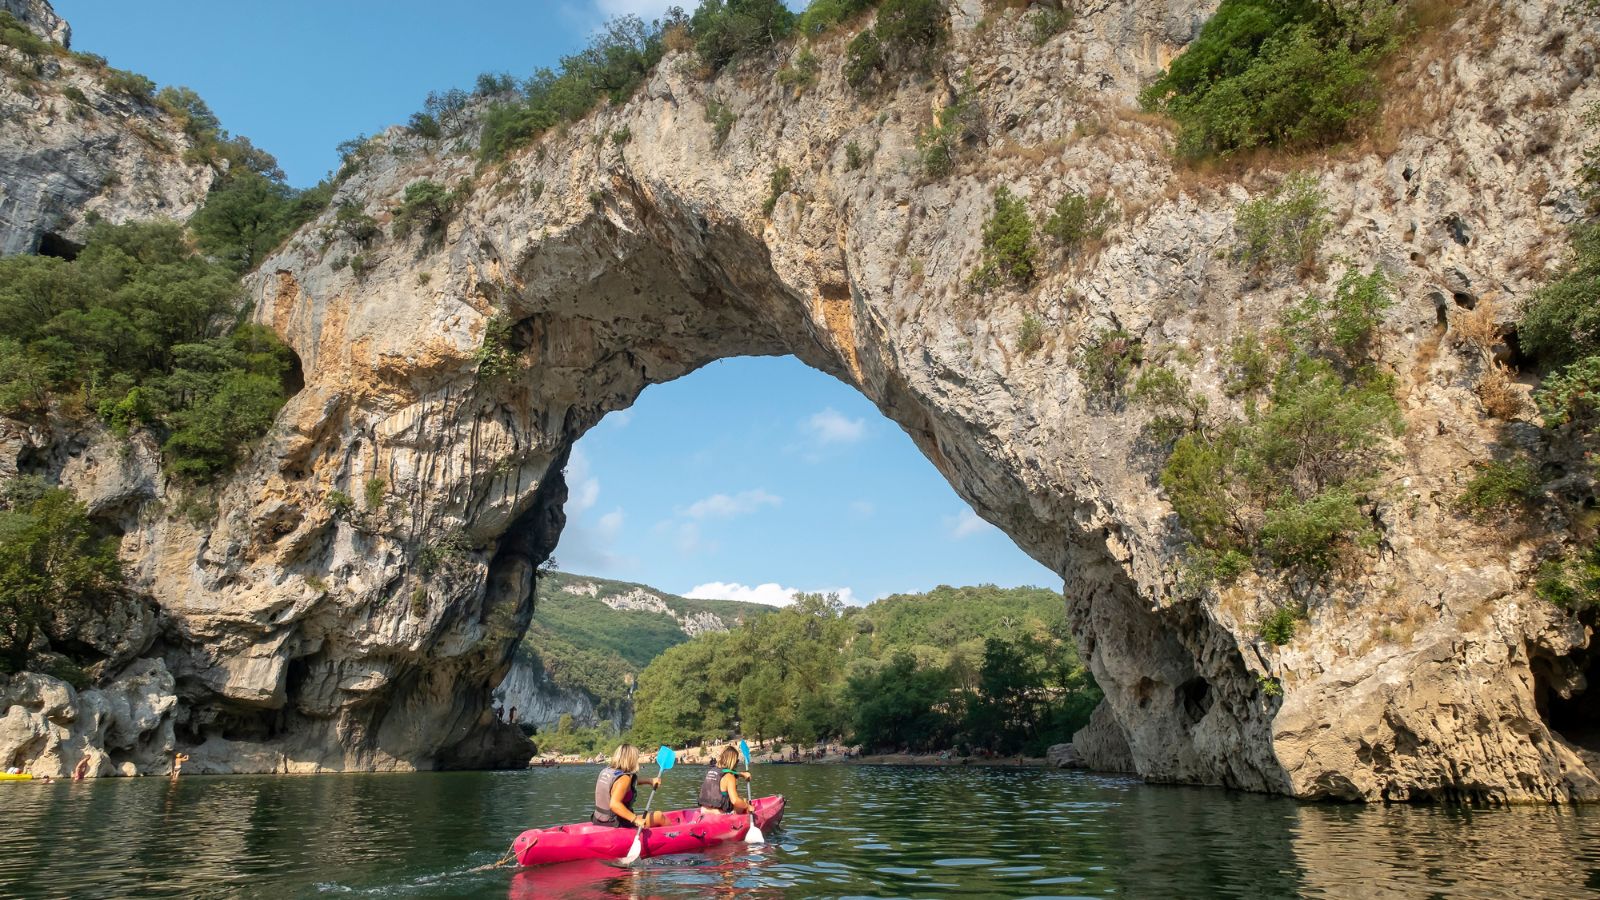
(939, 146)
(777, 185)
(1289, 479)
(1030, 336)
(1279, 628)
(497, 360)
(588, 647)
(1502, 486)
(982, 667)
(802, 73)
(427, 206)
(1287, 482)
(1178, 409)
(248, 215)
(1009, 252)
(1561, 330)
(721, 119)
(1571, 581)
(15, 35)
(1079, 218)
(1048, 19)
(905, 37)
(822, 16)
(1343, 326)
(1107, 361)
(56, 569)
(1277, 73)
(612, 67)
(128, 330)
(725, 31)
(854, 156)
(1285, 227)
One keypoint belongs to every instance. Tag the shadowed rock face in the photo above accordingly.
(308, 636)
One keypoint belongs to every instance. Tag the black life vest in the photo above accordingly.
(602, 814)
(712, 796)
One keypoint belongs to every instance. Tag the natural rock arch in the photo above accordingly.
(365, 634)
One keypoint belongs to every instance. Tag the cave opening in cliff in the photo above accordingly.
(1567, 699)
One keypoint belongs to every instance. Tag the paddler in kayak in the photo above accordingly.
(614, 792)
(719, 790)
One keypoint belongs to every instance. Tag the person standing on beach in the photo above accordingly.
(177, 764)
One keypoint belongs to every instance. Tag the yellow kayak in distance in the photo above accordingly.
(16, 777)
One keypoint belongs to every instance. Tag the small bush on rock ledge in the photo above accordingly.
(1009, 253)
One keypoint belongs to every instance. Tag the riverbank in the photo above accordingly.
(821, 755)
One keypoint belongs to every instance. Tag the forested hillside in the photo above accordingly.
(590, 638)
(973, 667)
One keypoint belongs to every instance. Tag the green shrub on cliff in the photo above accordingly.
(727, 30)
(612, 66)
(1284, 227)
(1009, 252)
(128, 329)
(1288, 482)
(428, 206)
(905, 37)
(1560, 329)
(15, 35)
(1277, 73)
(56, 568)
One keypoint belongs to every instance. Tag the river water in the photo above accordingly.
(849, 831)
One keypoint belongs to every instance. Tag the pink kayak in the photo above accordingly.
(686, 831)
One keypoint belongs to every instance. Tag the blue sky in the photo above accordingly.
(749, 479)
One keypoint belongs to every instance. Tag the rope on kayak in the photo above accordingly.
(506, 861)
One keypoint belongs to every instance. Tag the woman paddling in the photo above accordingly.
(614, 792)
(719, 791)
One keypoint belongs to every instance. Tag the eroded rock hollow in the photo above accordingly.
(448, 373)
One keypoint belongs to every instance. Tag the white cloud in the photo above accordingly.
(833, 427)
(622, 418)
(725, 506)
(965, 524)
(770, 594)
(583, 489)
(610, 523)
(863, 508)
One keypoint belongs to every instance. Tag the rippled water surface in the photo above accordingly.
(862, 831)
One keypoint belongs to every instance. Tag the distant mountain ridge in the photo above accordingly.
(590, 638)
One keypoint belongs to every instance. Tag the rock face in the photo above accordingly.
(541, 699)
(305, 637)
(40, 18)
(74, 149)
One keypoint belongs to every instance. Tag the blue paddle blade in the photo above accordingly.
(744, 751)
(665, 758)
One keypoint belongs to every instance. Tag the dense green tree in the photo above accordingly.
(725, 30)
(138, 328)
(54, 565)
(1292, 73)
(902, 672)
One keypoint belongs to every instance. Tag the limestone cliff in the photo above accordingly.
(635, 246)
(76, 146)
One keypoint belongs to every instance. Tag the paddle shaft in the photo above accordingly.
(648, 800)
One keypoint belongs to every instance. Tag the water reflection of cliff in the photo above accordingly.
(1432, 851)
